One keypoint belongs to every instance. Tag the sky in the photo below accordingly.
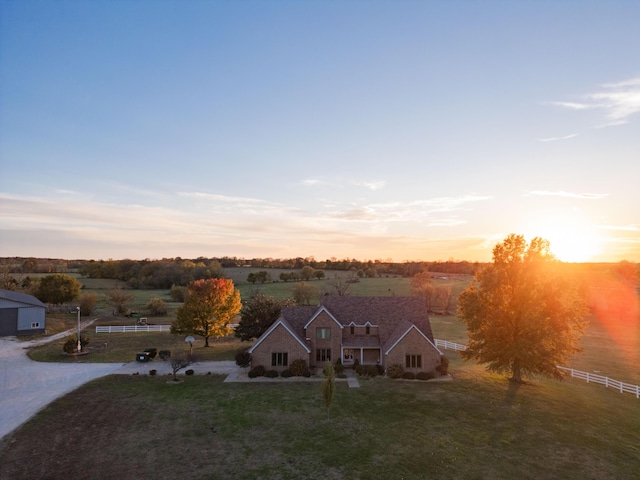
(406, 130)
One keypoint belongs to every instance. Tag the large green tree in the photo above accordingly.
(58, 289)
(258, 314)
(209, 308)
(523, 315)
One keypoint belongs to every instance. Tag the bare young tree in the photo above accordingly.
(341, 283)
(422, 286)
(120, 299)
(178, 363)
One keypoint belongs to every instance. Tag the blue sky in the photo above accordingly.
(371, 130)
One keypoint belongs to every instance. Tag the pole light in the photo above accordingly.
(79, 344)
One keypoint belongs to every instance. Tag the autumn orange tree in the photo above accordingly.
(522, 314)
(209, 307)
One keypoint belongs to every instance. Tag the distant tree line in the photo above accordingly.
(154, 273)
(178, 271)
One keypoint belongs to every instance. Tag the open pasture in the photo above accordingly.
(476, 427)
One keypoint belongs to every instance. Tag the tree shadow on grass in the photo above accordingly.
(506, 418)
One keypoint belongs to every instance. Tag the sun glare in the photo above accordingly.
(572, 237)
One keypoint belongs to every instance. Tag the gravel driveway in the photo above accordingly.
(27, 386)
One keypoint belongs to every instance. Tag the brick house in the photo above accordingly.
(371, 330)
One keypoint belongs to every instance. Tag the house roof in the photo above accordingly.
(21, 298)
(394, 317)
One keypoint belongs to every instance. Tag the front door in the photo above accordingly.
(347, 356)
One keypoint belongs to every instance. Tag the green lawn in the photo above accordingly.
(122, 348)
(604, 352)
(476, 427)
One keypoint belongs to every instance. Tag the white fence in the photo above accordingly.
(450, 345)
(133, 328)
(606, 381)
(586, 376)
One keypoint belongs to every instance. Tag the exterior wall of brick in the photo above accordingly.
(371, 356)
(414, 344)
(334, 343)
(279, 341)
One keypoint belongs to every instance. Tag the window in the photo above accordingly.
(323, 355)
(414, 361)
(353, 329)
(323, 333)
(35, 324)
(279, 359)
(368, 330)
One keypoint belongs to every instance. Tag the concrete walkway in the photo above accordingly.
(352, 378)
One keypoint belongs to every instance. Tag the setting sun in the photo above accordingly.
(572, 236)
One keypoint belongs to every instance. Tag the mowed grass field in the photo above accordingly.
(476, 427)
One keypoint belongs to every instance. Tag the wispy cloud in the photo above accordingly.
(66, 192)
(555, 139)
(371, 185)
(562, 193)
(186, 227)
(341, 183)
(573, 105)
(426, 211)
(214, 197)
(311, 182)
(618, 100)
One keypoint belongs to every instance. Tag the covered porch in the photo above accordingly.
(366, 350)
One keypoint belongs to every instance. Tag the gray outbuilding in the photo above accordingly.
(21, 314)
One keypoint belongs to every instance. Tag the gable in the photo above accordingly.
(411, 330)
(321, 310)
(279, 323)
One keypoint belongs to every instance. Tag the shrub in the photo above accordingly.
(367, 370)
(178, 293)
(299, 367)
(286, 373)
(71, 344)
(425, 375)
(395, 371)
(409, 376)
(356, 363)
(152, 372)
(164, 354)
(371, 371)
(243, 359)
(342, 375)
(443, 368)
(88, 303)
(152, 352)
(257, 371)
(157, 307)
(189, 372)
(271, 374)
